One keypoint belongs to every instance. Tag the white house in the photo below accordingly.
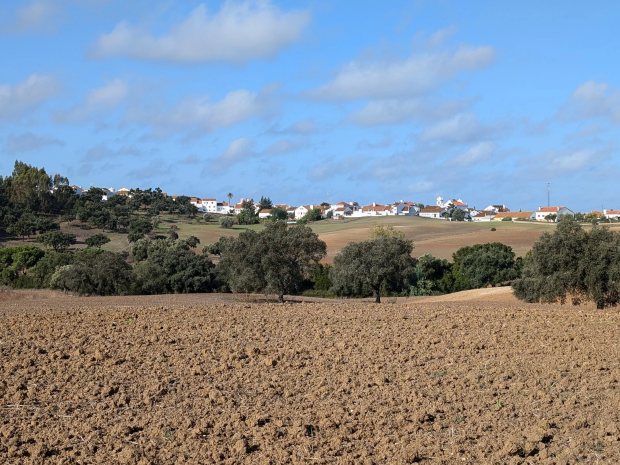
(209, 205)
(301, 211)
(264, 213)
(107, 194)
(410, 208)
(224, 208)
(433, 212)
(77, 189)
(612, 214)
(542, 212)
(457, 204)
(484, 216)
(497, 208)
(341, 212)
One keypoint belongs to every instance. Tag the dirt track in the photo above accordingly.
(196, 379)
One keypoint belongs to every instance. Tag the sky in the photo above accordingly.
(318, 100)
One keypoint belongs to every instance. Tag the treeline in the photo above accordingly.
(34, 203)
(280, 259)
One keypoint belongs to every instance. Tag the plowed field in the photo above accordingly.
(207, 379)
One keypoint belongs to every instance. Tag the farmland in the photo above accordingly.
(234, 379)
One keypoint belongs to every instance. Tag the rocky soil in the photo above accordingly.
(200, 379)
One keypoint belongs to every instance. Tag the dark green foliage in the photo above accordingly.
(363, 268)
(457, 214)
(248, 214)
(167, 266)
(46, 224)
(483, 265)
(227, 222)
(15, 261)
(572, 263)
(57, 240)
(278, 214)
(97, 241)
(312, 215)
(320, 277)
(507, 218)
(94, 273)
(25, 226)
(172, 235)
(43, 271)
(432, 276)
(278, 259)
(265, 203)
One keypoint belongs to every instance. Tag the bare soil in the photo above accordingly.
(224, 379)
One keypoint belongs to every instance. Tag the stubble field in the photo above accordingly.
(223, 379)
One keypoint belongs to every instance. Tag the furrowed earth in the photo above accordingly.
(233, 379)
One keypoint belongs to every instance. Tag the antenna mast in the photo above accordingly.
(548, 194)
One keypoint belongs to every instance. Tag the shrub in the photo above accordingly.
(97, 241)
(507, 218)
(227, 222)
(493, 229)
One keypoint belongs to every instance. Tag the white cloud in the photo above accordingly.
(29, 142)
(413, 76)
(462, 128)
(592, 100)
(574, 161)
(395, 111)
(155, 168)
(37, 16)
(237, 151)
(199, 115)
(95, 102)
(238, 32)
(477, 154)
(331, 168)
(17, 100)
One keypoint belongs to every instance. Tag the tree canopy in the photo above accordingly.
(277, 259)
(365, 267)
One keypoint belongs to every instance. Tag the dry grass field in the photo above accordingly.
(439, 238)
(473, 378)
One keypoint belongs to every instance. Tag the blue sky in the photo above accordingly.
(369, 101)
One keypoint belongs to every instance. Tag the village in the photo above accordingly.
(449, 210)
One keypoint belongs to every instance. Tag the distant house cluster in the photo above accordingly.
(443, 210)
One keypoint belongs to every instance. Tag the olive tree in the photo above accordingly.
(277, 259)
(365, 267)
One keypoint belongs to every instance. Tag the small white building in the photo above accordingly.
(209, 205)
(612, 214)
(484, 216)
(542, 213)
(341, 212)
(264, 213)
(433, 212)
(497, 208)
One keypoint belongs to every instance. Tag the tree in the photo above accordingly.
(230, 196)
(483, 265)
(457, 214)
(432, 276)
(26, 225)
(277, 214)
(207, 217)
(571, 263)
(97, 241)
(248, 213)
(551, 217)
(365, 267)
(57, 240)
(378, 230)
(227, 222)
(276, 259)
(94, 272)
(313, 215)
(14, 261)
(138, 227)
(265, 203)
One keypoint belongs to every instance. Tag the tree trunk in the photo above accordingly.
(600, 306)
(378, 297)
(281, 298)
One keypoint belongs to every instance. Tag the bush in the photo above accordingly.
(227, 222)
(97, 241)
(493, 229)
(507, 218)
(484, 265)
(572, 263)
(94, 273)
(325, 294)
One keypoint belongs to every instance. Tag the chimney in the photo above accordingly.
(374, 204)
(539, 208)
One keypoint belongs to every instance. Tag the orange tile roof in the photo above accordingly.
(550, 209)
(432, 210)
(513, 215)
